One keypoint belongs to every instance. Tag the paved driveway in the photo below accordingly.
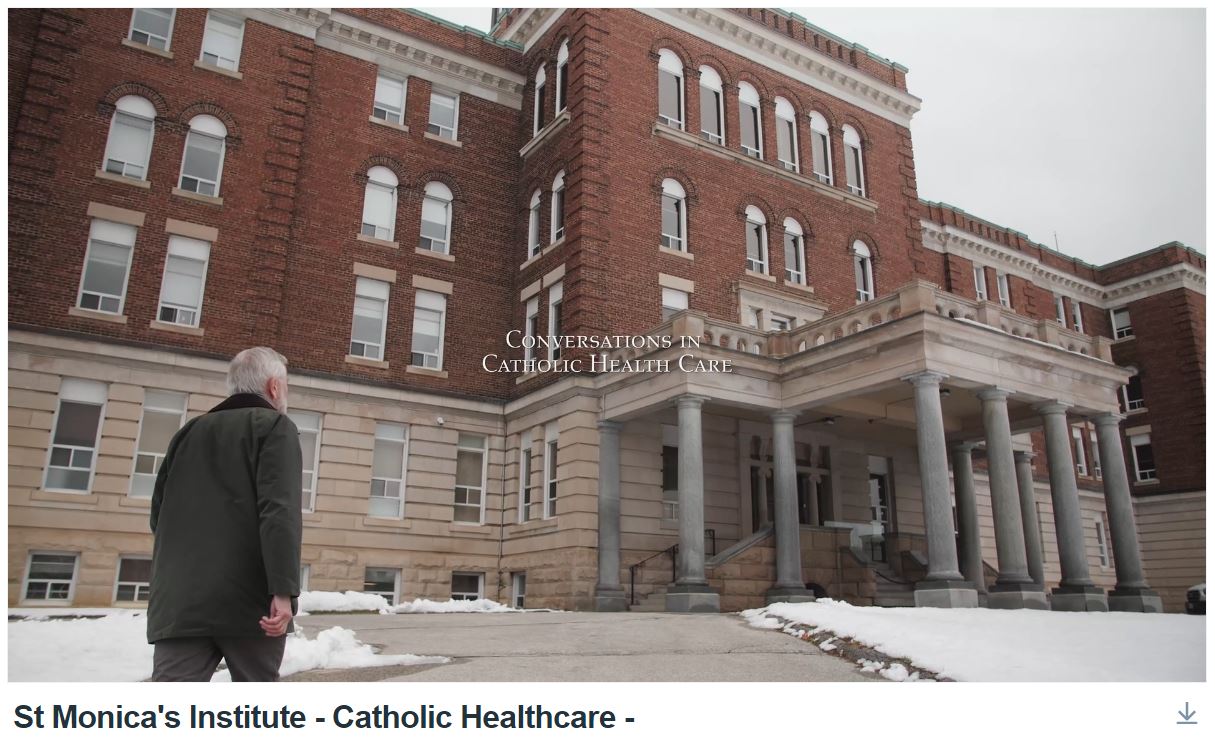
(583, 646)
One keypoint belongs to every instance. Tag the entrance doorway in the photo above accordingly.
(814, 500)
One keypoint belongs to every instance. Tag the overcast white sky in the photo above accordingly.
(1088, 124)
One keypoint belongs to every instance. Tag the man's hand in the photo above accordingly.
(280, 616)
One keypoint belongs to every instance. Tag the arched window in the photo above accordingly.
(129, 147)
(750, 122)
(854, 163)
(820, 145)
(795, 252)
(557, 215)
(674, 216)
(712, 111)
(436, 218)
(670, 89)
(563, 68)
(862, 261)
(202, 165)
(786, 135)
(757, 240)
(380, 203)
(533, 225)
(538, 113)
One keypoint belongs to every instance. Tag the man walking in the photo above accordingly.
(227, 526)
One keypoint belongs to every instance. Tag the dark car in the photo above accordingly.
(1196, 599)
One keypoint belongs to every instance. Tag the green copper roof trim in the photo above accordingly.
(465, 29)
(842, 41)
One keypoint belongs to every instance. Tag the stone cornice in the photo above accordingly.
(1171, 277)
(530, 26)
(752, 41)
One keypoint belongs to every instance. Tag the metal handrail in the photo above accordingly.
(673, 551)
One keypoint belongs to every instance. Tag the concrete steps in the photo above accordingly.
(655, 601)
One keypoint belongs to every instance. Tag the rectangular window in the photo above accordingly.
(795, 257)
(389, 99)
(1103, 550)
(370, 318)
(527, 495)
(203, 164)
(1078, 450)
(379, 210)
(152, 27)
(470, 480)
(854, 170)
(129, 146)
(107, 262)
(558, 214)
(222, 40)
(134, 579)
(757, 247)
(786, 139)
(1077, 317)
(670, 472)
(670, 99)
(779, 322)
(748, 118)
(1141, 454)
(436, 217)
(383, 581)
(531, 327)
(710, 115)
(50, 577)
(672, 223)
(429, 317)
(388, 472)
(1002, 290)
(822, 156)
(1092, 444)
(305, 577)
(1120, 320)
(74, 441)
(518, 589)
(533, 227)
(755, 317)
(309, 425)
(538, 115)
(555, 295)
(980, 282)
(673, 301)
(467, 586)
(550, 471)
(1132, 394)
(444, 114)
(1060, 311)
(181, 294)
(163, 413)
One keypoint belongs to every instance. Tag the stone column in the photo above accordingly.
(1075, 592)
(1014, 589)
(944, 585)
(1131, 593)
(789, 584)
(691, 592)
(609, 594)
(1029, 516)
(968, 517)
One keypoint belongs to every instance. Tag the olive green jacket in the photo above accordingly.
(226, 521)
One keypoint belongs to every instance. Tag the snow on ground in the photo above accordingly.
(114, 648)
(316, 602)
(1011, 645)
(426, 606)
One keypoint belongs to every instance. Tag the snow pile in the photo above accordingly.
(115, 648)
(312, 602)
(426, 606)
(1012, 645)
(757, 619)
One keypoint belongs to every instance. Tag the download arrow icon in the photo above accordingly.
(1187, 715)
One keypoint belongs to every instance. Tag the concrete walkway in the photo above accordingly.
(583, 646)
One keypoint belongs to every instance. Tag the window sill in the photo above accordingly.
(95, 315)
(686, 139)
(169, 327)
(1139, 411)
(422, 371)
(760, 275)
(389, 124)
(532, 527)
(1149, 482)
(676, 252)
(798, 285)
(205, 199)
(440, 139)
(543, 252)
(470, 528)
(668, 524)
(369, 362)
(69, 496)
(200, 64)
(364, 238)
(141, 183)
(526, 377)
(434, 254)
(1123, 339)
(149, 49)
(136, 502)
(388, 522)
(545, 133)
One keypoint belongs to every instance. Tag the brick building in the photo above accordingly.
(921, 405)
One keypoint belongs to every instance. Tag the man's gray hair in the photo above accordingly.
(252, 368)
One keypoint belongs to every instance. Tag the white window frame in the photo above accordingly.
(531, 322)
(429, 302)
(551, 458)
(385, 107)
(794, 229)
(556, 293)
(463, 596)
(674, 301)
(388, 182)
(157, 401)
(308, 490)
(756, 217)
(533, 225)
(518, 589)
(854, 147)
(670, 63)
(221, 19)
(1143, 475)
(1103, 551)
(77, 391)
(1095, 451)
(46, 601)
(862, 266)
(820, 130)
(980, 282)
(305, 576)
(396, 434)
(786, 114)
(526, 461)
(437, 192)
(205, 127)
(1060, 310)
(711, 89)
(131, 30)
(673, 190)
(368, 289)
(442, 131)
(1123, 332)
(396, 582)
(1079, 452)
(1126, 396)
(145, 588)
(185, 249)
(538, 101)
(561, 87)
(1077, 317)
(465, 444)
(1003, 293)
(94, 227)
(670, 497)
(748, 98)
(557, 209)
(143, 113)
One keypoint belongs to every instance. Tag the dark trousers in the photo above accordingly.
(195, 658)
